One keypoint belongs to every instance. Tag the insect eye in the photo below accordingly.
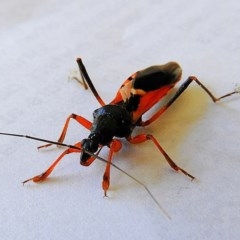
(93, 146)
(89, 145)
(94, 114)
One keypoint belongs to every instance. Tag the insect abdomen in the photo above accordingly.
(155, 77)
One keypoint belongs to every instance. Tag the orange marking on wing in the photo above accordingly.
(148, 100)
(124, 91)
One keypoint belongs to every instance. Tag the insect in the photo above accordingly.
(116, 120)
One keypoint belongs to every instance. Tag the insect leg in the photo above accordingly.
(85, 77)
(83, 121)
(115, 146)
(181, 89)
(44, 175)
(145, 137)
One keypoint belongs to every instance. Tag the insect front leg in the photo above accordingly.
(83, 121)
(41, 177)
(145, 137)
(115, 146)
(181, 89)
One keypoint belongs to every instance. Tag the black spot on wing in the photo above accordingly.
(132, 102)
(152, 78)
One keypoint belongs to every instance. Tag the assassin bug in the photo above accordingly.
(139, 93)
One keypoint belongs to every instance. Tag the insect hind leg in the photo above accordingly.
(181, 89)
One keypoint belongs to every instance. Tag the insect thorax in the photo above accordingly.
(111, 121)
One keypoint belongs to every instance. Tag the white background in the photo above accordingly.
(39, 42)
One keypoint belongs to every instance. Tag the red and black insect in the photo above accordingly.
(116, 120)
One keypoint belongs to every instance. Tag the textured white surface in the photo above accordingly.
(38, 46)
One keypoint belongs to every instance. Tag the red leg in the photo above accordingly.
(44, 175)
(83, 121)
(181, 89)
(145, 137)
(115, 146)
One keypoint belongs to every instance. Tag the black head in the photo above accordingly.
(89, 144)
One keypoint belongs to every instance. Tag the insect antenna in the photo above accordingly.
(97, 157)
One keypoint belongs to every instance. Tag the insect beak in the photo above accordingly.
(85, 159)
(88, 146)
